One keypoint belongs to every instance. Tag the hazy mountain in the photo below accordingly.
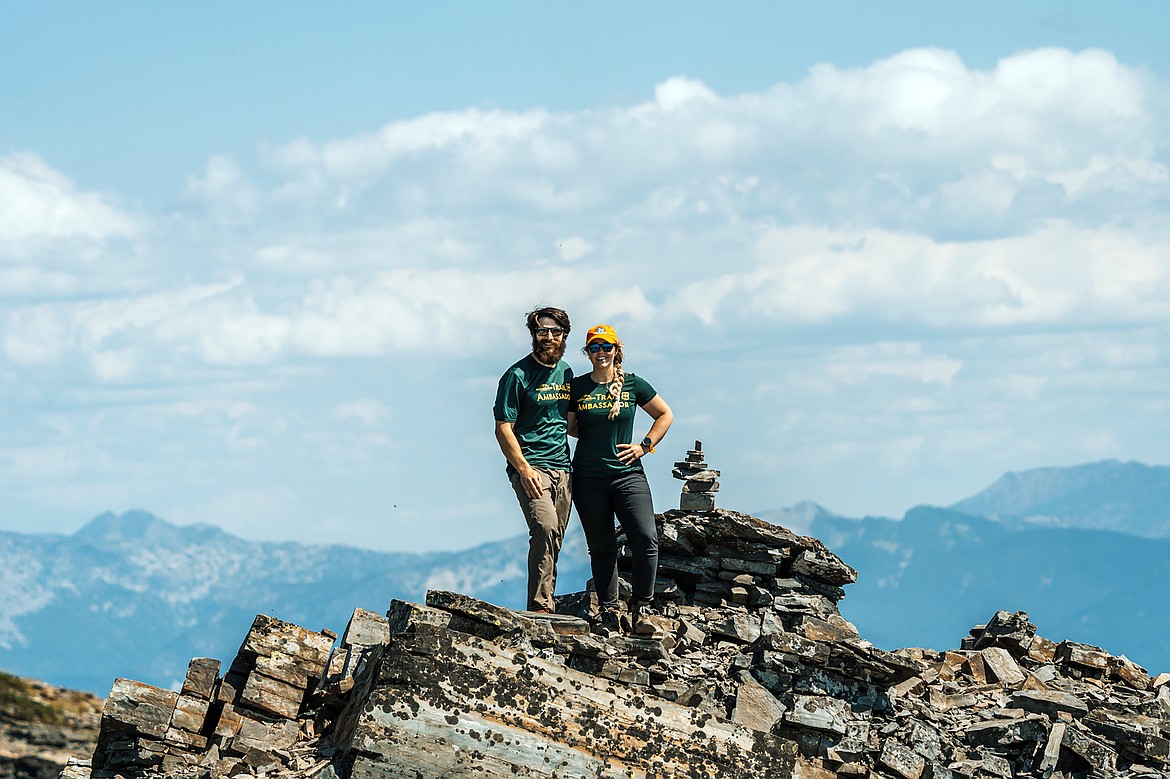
(926, 579)
(132, 595)
(799, 517)
(1128, 497)
(1082, 549)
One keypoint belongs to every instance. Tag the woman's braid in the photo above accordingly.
(619, 378)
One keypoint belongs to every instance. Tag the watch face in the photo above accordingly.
(646, 442)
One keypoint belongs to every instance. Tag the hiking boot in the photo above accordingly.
(608, 623)
(647, 622)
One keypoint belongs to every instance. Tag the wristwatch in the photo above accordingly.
(647, 444)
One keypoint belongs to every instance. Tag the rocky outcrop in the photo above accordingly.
(42, 726)
(751, 672)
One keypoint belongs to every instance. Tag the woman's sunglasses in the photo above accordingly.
(595, 348)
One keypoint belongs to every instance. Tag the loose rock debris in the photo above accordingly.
(757, 675)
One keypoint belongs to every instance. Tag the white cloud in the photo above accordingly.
(916, 144)
(674, 93)
(38, 202)
(366, 411)
(834, 198)
(225, 187)
(574, 248)
(114, 365)
(898, 360)
(458, 311)
(46, 332)
(1057, 274)
(410, 243)
(912, 263)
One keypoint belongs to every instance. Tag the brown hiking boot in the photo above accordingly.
(648, 623)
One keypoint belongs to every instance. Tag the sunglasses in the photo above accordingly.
(595, 348)
(553, 331)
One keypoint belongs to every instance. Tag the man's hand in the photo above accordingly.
(628, 453)
(530, 478)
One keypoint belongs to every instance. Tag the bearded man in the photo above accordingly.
(531, 403)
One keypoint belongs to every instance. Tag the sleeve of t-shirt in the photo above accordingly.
(507, 404)
(574, 395)
(643, 392)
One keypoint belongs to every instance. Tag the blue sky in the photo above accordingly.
(261, 265)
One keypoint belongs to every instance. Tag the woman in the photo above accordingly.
(608, 480)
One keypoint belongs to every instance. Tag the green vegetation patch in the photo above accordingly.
(16, 703)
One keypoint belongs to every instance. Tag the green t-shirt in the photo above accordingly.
(597, 435)
(535, 399)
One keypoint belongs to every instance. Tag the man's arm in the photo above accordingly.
(510, 446)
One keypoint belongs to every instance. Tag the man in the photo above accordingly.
(530, 408)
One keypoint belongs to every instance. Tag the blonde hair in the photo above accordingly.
(615, 385)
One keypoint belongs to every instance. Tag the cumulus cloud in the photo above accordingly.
(222, 324)
(226, 189)
(458, 311)
(1057, 274)
(45, 332)
(912, 190)
(38, 202)
(915, 141)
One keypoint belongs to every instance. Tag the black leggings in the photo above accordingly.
(598, 501)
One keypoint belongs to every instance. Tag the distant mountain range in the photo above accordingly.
(1127, 497)
(926, 579)
(134, 596)
(1084, 550)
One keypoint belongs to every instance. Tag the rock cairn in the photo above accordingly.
(754, 674)
(249, 719)
(699, 482)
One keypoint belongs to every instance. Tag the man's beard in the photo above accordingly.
(550, 354)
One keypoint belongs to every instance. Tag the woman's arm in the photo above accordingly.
(571, 421)
(656, 407)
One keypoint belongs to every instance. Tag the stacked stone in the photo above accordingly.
(1013, 703)
(352, 670)
(723, 558)
(212, 723)
(699, 482)
(735, 593)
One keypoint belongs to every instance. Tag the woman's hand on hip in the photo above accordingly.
(629, 453)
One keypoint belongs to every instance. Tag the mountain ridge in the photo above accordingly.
(927, 575)
(1129, 497)
(146, 594)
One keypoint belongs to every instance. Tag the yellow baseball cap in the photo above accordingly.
(601, 333)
